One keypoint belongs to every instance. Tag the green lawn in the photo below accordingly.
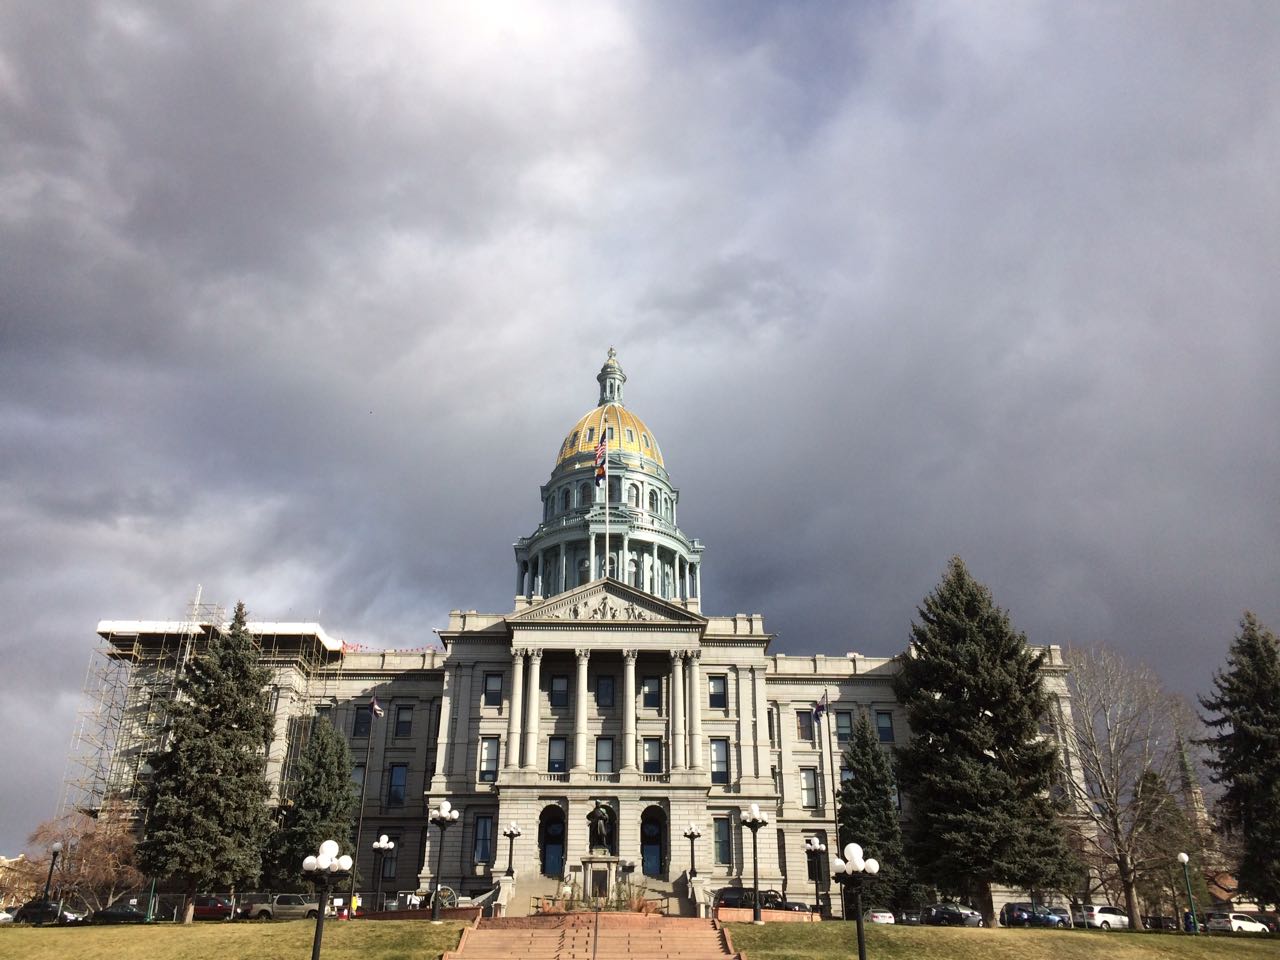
(838, 941)
(285, 940)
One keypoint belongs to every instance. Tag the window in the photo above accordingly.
(591, 434)
(652, 755)
(773, 734)
(493, 689)
(389, 859)
(884, 726)
(404, 721)
(363, 721)
(845, 774)
(564, 500)
(556, 755)
(814, 866)
(584, 495)
(604, 691)
(633, 495)
(804, 725)
(718, 687)
(482, 849)
(610, 432)
(724, 845)
(573, 441)
(844, 726)
(631, 435)
(651, 692)
(604, 754)
(653, 501)
(357, 777)
(396, 784)
(560, 691)
(325, 711)
(719, 760)
(808, 787)
(488, 759)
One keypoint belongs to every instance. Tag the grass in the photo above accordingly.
(838, 941)
(284, 940)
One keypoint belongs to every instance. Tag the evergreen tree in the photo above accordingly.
(1246, 759)
(976, 771)
(869, 817)
(321, 808)
(208, 816)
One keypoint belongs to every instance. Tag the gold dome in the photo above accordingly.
(630, 435)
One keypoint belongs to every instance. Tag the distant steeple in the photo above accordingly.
(611, 378)
(1192, 794)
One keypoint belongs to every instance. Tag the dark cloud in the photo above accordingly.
(298, 303)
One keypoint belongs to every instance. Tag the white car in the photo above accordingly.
(1101, 918)
(1236, 923)
(878, 915)
(6, 915)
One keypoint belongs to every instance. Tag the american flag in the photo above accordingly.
(602, 450)
(820, 708)
(376, 710)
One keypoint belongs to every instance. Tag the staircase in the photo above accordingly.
(590, 936)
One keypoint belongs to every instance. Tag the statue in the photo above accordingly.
(601, 820)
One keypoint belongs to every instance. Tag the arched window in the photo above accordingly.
(565, 497)
(551, 841)
(634, 577)
(633, 495)
(653, 501)
(584, 495)
(666, 507)
(653, 842)
(546, 508)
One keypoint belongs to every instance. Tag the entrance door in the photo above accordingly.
(653, 836)
(551, 841)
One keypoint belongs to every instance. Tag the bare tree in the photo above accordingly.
(96, 867)
(1124, 739)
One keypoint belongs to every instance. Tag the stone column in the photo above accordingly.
(657, 572)
(695, 709)
(580, 713)
(532, 709)
(697, 580)
(564, 571)
(624, 567)
(514, 705)
(519, 578)
(677, 710)
(443, 733)
(629, 711)
(591, 569)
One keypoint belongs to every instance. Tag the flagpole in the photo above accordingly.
(835, 790)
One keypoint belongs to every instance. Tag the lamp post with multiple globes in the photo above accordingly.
(692, 834)
(753, 821)
(853, 871)
(381, 847)
(444, 816)
(512, 831)
(813, 849)
(325, 868)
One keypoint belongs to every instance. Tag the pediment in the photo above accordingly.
(606, 601)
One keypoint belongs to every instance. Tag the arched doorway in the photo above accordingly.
(551, 841)
(653, 842)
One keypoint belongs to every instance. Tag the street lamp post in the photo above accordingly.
(1191, 902)
(813, 849)
(381, 847)
(754, 820)
(56, 849)
(854, 870)
(512, 831)
(443, 817)
(325, 868)
(692, 834)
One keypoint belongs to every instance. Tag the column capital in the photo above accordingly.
(518, 652)
(535, 655)
(583, 653)
(693, 654)
(630, 654)
(677, 655)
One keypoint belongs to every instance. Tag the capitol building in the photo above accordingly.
(606, 685)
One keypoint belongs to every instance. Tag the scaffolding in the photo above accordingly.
(120, 724)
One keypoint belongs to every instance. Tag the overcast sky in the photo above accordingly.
(298, 300)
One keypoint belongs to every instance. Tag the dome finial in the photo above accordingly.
(611, 378)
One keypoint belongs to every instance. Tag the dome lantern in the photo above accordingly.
(611, 378)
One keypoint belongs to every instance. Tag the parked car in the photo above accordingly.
(1103, 917)
(1065, 914)
(951, 915)
(1236, 923)
(118, 913)
(879, 915)
(1030, 915)
(745, 897)
(6, 915)
(1160, 923)
(793, 905)
(212, 908)
(281, 906)
(38, 911)
(910, 918)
